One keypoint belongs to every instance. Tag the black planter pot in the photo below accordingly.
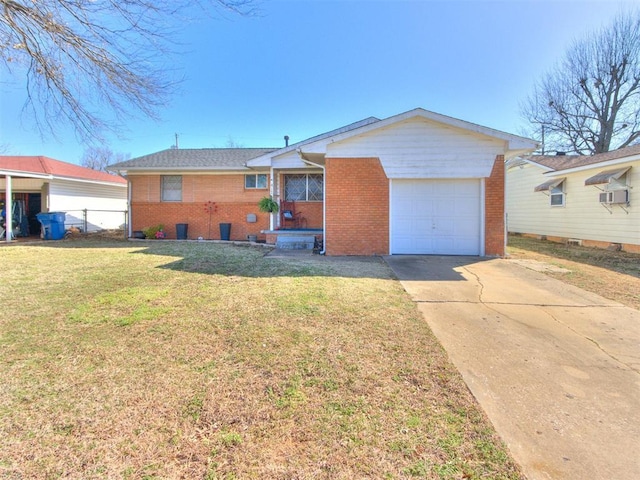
(181, 231)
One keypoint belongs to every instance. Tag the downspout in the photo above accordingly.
(130, 214)
(324, 200)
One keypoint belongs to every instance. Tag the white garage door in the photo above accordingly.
(440, 217)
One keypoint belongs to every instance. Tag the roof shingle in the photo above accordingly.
(564, 162)
(40, 165)
(193, 158)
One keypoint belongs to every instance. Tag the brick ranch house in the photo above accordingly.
(414, 183)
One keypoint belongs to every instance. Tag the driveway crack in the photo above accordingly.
(592, 340)
(479, 283)
(553, 317)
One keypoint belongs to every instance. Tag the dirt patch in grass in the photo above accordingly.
(149, 360)
(614, 275)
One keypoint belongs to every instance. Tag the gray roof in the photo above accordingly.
(564, 162)
(331, 133)
(193, 159)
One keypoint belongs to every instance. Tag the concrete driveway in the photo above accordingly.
(556, 369)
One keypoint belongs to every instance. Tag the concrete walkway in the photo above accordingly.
(556, 369)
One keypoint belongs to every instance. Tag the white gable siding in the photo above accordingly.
(582, 217)
(288, 160)
(419, 148)
(74, 197)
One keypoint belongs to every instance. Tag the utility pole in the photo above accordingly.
(176, 140)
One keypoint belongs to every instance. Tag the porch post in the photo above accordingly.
(272, 194)
(8, 209)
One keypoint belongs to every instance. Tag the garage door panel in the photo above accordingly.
(436, 216)
(467, 230)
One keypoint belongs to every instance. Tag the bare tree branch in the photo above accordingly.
(590, 103)
(93, 63)
(98, 158)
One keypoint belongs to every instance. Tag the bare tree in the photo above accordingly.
(590, 103)
(81, 57)
(232, 143)
(97, 158)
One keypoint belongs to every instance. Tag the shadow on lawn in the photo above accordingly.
(253, 261)
(249, 260)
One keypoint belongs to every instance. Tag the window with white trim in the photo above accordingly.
(255, 180)
(171, 188)
(556, 196)
(303, 187)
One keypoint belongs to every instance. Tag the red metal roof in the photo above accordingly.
(48, 166)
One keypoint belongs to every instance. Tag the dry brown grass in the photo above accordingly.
(201, 361)
(614, 275)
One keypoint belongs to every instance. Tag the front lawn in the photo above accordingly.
(175, 360)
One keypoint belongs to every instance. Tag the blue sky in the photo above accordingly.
(306, 67)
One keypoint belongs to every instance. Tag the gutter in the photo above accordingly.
(324, 199)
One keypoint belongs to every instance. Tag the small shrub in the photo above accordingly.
(152, 232)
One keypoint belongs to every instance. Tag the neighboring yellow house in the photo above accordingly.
(588, 200)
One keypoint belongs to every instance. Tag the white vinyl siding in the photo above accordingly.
(582, 217)
(418, 148)
(441, 217)
(105, 204)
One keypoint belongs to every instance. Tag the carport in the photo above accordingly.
(47, 185)
(32, 184)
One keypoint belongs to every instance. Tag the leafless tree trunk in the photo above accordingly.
(94, 63)
(97, 158)
(590, 103)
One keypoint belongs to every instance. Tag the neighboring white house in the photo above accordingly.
(92, 200)
(591, 200)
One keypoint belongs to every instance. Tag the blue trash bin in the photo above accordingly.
(52, 225)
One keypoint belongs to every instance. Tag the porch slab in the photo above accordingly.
(287, 253)
(295, 239)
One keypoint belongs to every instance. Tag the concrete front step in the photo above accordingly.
(295, 242)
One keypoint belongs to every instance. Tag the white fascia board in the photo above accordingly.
(597, 166)
(514, 145)
(539, 165)
(515, 142)
(17, 173)
(93, 182)
(262, 161)
(187, 171)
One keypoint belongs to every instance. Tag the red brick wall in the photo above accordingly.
(311, 212)
(233, 203)
(198, 188)
(494, 210)
(357, 200)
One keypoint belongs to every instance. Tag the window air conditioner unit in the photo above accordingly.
(615, 196)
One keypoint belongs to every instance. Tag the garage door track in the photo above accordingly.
(556, 368)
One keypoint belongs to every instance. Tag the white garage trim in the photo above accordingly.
(436, 216)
